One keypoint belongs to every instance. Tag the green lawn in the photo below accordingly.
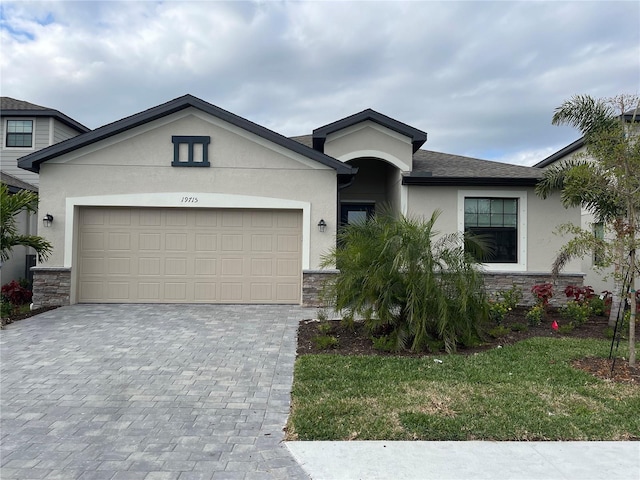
(527, 391)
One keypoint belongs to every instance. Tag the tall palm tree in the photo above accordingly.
(605, 180)
(10, 206)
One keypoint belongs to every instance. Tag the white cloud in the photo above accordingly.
(482, 78)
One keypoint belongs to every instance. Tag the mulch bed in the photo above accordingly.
(21, 316)
(358, 342)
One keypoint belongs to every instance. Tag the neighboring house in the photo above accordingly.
(186, 202)
(600, 280)
(26, 128)
(22, 258)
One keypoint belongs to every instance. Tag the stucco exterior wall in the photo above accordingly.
(599, 280)
(135, 169)
(541, 245)
(380, 143)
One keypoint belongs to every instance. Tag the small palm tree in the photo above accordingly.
(10, 206)
(605, 181)
(400, 275)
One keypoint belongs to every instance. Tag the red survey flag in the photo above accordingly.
(554, 325)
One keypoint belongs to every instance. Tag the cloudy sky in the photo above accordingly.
(482, 78)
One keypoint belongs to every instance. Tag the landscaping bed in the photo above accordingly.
(358, 341)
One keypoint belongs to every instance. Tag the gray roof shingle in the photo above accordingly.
(8, 103)
(438, 168)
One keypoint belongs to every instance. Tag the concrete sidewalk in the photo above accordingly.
(379, 460)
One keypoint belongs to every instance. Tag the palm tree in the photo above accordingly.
(605, 180)
(405, 279)
(10, 206)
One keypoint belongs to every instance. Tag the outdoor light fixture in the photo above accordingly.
(322, 225)
(48, 218)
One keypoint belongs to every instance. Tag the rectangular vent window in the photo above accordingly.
(190, 151)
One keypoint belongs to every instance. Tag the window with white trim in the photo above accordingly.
(500, 219)
(19, 133)
(495, 221)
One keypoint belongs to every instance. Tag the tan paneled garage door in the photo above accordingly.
(189, 255)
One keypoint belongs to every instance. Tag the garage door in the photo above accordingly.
(178, 255)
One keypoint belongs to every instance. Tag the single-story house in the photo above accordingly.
(26, 128)
(187, 202)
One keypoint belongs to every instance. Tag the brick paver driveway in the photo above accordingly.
(148, 392)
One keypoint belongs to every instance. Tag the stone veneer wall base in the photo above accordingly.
(51, 286)
(312, 281)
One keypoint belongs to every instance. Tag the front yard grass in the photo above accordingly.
(526, 391)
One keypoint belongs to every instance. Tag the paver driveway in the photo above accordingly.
(148, 392)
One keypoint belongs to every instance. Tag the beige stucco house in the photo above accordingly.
(26, 128)
(186, 202)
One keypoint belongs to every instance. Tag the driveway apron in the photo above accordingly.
(148, 392)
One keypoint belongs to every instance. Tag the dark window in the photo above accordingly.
(352, 212)
(19, 133)
(495, 222)
(190, 151)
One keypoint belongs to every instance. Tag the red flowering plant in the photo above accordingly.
(543, 292)
(15, 294)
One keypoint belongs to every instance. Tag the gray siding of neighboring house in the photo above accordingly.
(62, 132)
(42, 139)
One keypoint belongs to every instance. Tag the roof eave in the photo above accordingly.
(572, 147)
(469, 181)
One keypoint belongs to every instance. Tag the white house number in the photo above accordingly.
(189, 200)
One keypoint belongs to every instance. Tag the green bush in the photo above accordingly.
(324, 327)
(519, 327)
(597, 305)
(511, 298)
(566, 328)
(385, 343)
(576, 313)
(534, 315)
(499, 331)
(399, 273)
(497, 311)
(325, 342)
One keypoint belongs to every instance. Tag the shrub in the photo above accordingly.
(499, 331)
(566, 328)
(576, 312)
(16, 294)
(385, 343)
(497, 311)
(395, 273)
(325, 342)
(324, 327)
(534, 315)
(519, 327)
(597, 306)
(511, 298)
(543, 293)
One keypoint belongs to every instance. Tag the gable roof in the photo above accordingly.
(436, 168)
(10, 107)
(418, 137)
(33, 161)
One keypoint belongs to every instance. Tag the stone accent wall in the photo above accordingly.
(495, 282)
(51, 287)
(312, 281)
